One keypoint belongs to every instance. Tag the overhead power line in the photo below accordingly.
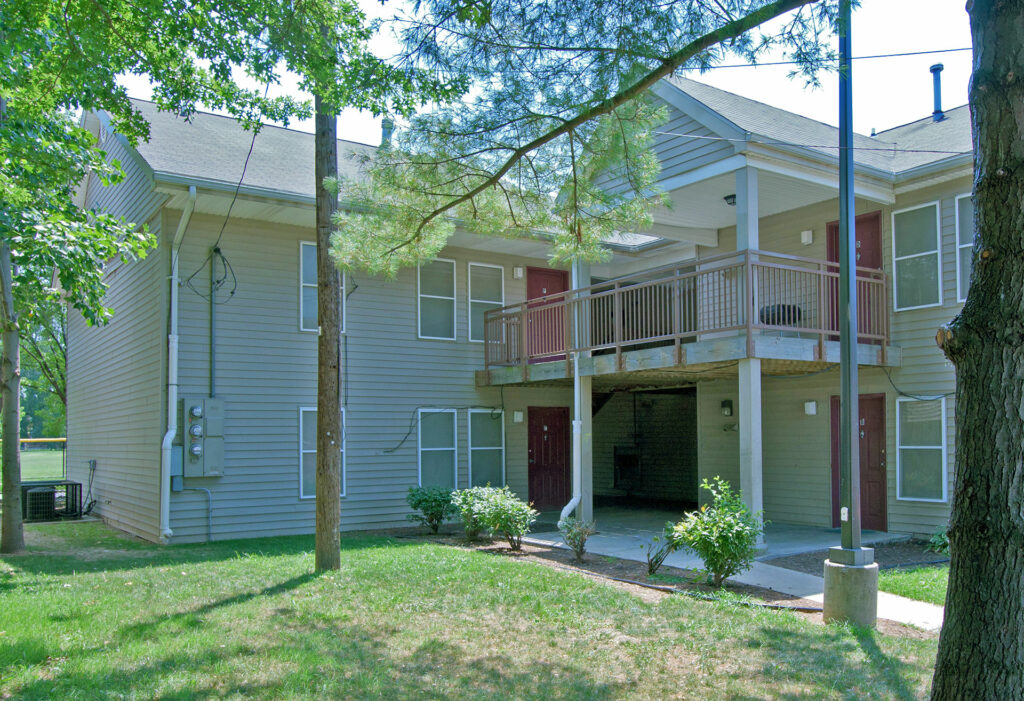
(889, 149)
(855, 58)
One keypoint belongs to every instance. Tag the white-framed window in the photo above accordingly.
(921, 449)
(486, 447)
(486, 292)
(436, 299)
(436, 446)
(964, 244)
(917, 259)
(307, 452)
(307, 289)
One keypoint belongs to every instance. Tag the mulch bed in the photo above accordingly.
(613, 571)
(888, 556)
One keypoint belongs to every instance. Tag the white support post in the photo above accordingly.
(751, 461)
(747, 236)
(582, 425)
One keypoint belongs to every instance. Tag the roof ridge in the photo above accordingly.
(922, 119)
(207, 113)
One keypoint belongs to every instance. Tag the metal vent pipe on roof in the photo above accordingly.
(937, 114)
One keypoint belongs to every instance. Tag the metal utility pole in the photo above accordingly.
(851, 576)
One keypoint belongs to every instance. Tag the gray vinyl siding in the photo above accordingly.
(115, 399)
(679, 154)
(266, 370)
(133, 198)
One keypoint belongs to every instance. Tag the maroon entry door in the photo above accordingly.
(545, 332)
(868, 229)
(549, 456)
(873, 483)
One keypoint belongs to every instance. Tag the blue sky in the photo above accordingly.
(887, 92)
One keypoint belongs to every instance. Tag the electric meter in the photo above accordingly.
(196, 449)
(196, 411)
(196, 430)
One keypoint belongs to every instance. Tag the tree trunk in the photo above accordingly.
(12, 536)
(981, 648)
(328, 403)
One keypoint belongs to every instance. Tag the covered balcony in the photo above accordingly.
(689, 319)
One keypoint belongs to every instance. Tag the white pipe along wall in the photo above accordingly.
(172, 373)
(577, 400)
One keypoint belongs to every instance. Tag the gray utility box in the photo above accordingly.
(202, 437)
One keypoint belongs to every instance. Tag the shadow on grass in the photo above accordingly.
(831, 661)
(72, 559)
(307, 659)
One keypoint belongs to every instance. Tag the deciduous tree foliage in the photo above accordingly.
(981, 648)
(556, 138)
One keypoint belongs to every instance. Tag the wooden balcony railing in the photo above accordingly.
(747, 292)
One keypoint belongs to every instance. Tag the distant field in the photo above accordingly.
(41, 465)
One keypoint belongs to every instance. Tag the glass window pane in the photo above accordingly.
(485, 428)
(485, 283)
(965, 214)
(915, 231)
(437, 318)
(437, 429)
(308, 474)
(437, 468)
(437, 278)
(921, 473)
(309, 430)
(917, 281)
(476, 318)
(921, 423)
(487, 466)
(309, 307)
(966, 257)
(308, 264)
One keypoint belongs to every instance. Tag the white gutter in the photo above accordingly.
(577, 402)
(172, 373)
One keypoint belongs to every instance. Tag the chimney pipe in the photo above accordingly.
(387, 128)
(936, 70)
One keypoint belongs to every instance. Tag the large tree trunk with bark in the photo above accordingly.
(328, 404)
(12, 536)
(981, 649)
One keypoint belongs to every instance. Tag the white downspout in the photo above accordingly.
(577, 399)
(172, 373)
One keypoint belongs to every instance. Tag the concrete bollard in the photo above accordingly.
(851, 593)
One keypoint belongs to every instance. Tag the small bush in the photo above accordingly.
(433, 503)
(658, 549)
(507, 515)
(575, 533)
(723, 535)
(468, 504)
(939, 542)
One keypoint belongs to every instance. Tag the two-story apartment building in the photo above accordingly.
(705, 346)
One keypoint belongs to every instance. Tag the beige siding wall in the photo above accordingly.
(266, 370)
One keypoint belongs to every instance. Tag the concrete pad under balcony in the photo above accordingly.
(702, 359)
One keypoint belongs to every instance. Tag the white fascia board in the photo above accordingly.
(870, 188)
(711, 170)
(697, 110)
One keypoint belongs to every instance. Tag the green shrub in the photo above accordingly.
(468, 504)
(723, 534)
(433, 503)
(939, 542)
(575, 533)
(658, 549)
(507, 515)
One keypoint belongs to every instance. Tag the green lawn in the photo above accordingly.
(921, 583)
(89, 614)
(41, 465)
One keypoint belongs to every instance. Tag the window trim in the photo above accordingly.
(937, 204)
(469, 431)
(942, 447)
(420, 296)
(419, 443)
(344, 297)
(469, 297)
(961, 285)
(344, 453)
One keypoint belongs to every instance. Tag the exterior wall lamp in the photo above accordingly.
(727, 407)
(730, 200)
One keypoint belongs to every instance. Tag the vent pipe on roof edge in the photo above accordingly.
(387, 128)
(937, 114)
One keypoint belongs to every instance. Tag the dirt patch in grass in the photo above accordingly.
(612, 570)
(888, 555)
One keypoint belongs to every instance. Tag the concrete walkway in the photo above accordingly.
(624, 533)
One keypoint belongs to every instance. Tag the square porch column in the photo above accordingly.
(751, 461)
(747, 235)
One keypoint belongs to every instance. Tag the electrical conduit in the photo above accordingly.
(577, 400)
(172, 373)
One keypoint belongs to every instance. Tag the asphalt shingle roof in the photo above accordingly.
(774, 124)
